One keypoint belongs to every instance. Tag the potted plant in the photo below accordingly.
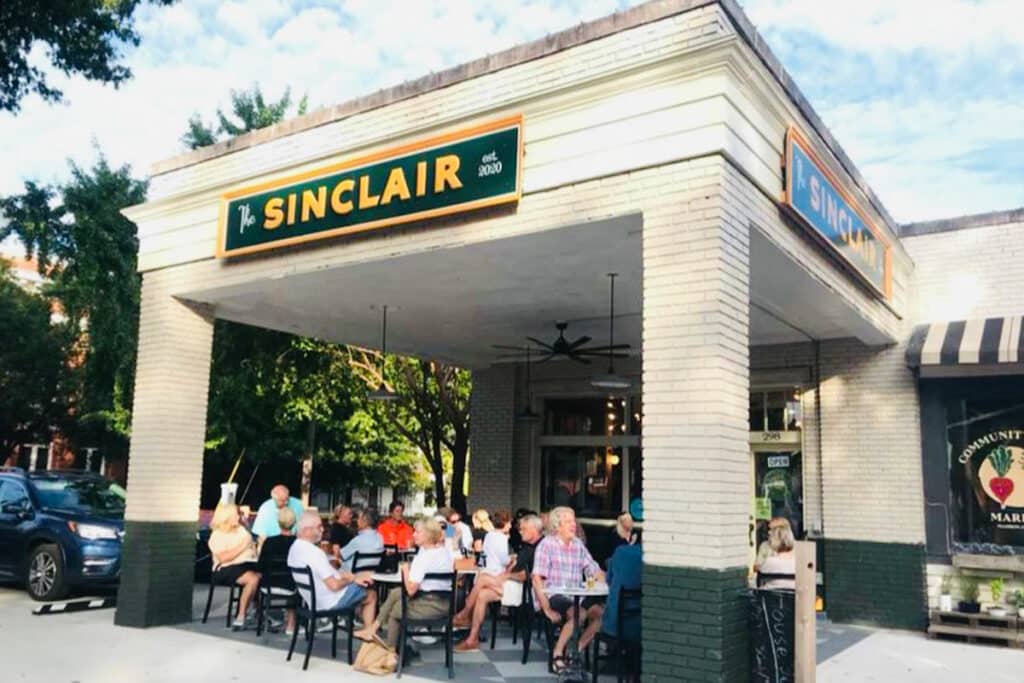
(997, 609)
(945, 596)
(969, 590)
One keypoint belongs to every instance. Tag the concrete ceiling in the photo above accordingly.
(454, 304)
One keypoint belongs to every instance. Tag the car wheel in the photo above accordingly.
(45, 580)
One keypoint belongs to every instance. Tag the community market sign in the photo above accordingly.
(818, 199)
(997, 461)
(453, 173)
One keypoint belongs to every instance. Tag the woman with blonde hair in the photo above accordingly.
(781, 564)
(625, 532)
(234, 557)
(482, 525)
(433, 557)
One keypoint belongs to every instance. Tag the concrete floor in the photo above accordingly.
(85, 647)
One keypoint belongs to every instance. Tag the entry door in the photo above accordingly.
(778, 488)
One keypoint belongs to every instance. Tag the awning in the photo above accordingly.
(992, 344)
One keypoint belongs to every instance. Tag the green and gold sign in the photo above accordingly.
(460, 171)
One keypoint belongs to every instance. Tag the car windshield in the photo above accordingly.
(96, 496)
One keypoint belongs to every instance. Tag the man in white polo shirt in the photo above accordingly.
(334, 589)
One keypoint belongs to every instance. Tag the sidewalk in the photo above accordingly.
(85, 647)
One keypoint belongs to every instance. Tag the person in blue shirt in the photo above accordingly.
(366, 540)
(266, 524)
(625, 569)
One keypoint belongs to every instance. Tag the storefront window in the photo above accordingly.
(636, 484)
(775, 411)
(985, 440)
(585, 416)
(587, 479)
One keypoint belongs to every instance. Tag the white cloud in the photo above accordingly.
(919, 93)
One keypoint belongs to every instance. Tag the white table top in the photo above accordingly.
(598, 591)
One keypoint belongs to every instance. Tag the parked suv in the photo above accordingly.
(59, 530)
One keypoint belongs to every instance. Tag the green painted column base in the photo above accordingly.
(881, 584)
(157, 567)
(695, 624)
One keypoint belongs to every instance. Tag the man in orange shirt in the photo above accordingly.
(395, 530)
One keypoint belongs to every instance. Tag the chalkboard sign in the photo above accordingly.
(772, 644)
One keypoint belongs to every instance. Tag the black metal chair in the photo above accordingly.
(515, 614)
(618, 649)
(310, 612)
(234, 596)
(277, 589)
(531, 620)
(366, 562)
(436, 626)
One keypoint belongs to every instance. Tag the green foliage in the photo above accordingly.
(83, 38)
(249, 111)
(970, 587)
(996, 586)
(87, 250)
(32, 368)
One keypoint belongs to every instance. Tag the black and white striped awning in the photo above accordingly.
(989, 344)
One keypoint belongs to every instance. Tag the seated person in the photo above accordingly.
(341, 528)
(495, 545)
(482, 526)
(334, 590)
(624, 571)
(433, 558)
(463, 534)
(366, 540)
(625, 531)
(561, 559)
(782, 559)
(274, 554)
(514, 540)
(395, 530)
(234, 557)
(489, 588)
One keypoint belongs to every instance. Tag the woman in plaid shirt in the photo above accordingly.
(561, 560)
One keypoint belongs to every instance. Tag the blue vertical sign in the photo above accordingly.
(817, 198)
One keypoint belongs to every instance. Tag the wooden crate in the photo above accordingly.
(979, 628)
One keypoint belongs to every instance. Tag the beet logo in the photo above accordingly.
(1001, 475)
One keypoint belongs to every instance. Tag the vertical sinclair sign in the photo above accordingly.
(460, 171)
(817, 198)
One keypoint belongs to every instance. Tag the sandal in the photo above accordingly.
(558, 664)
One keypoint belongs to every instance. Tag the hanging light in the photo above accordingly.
(527, 414)
(382, 393)
(610, 380)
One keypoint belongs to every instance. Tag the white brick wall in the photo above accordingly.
(870, 431)
(965, 274)
(695, 373)
(169, 418)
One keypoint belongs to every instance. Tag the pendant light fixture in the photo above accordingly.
(527, 414)
(382, 393)
(611, 381)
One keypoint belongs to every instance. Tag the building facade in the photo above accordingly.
(766, 297)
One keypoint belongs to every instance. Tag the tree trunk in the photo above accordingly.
(307, 463)
(458, 496)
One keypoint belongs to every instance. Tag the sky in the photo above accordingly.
(926, 96)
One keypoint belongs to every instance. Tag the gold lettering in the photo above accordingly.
(274, 214)
(445, 169)
(291, 210)
(366, 200)
(421, 178)
(396, 185)
(338, 205)
(315, 204)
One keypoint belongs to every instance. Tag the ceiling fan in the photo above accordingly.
(576, 350)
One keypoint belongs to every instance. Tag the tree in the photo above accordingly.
(82, 37)
(87, 251)
(432, 412)
(249, 111)
(31, 367)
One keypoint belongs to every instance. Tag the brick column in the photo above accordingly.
(492, 419)
(166, 457)
(695, 438)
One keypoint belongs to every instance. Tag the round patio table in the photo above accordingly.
(577, 593)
